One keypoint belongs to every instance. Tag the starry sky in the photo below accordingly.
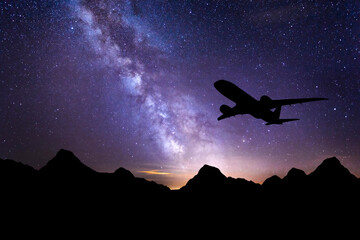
(130, 84)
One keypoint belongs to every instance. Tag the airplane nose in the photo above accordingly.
(218, 83)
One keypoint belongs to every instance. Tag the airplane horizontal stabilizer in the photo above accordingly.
(222, 117)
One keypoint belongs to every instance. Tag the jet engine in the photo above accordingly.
(225, 109)
(265, 100)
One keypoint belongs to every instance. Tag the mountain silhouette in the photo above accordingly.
(66, 165)
(272, 182)
(65, 188)
(65, 175)
(332, 171)
(329, 172)
(16, 176)
(67, 180)
(295, 176)
(12, 170)
(122, 173)
(329, 180)
(210, 181)
(272, 186)
(332, 179)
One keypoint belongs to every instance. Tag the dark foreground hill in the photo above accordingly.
(65, 172)
(65, 184)
(66, 196)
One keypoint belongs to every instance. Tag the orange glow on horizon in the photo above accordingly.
(155, 172)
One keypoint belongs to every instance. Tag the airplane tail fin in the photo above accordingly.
(277, 112)
(281, 121)
(277, 119)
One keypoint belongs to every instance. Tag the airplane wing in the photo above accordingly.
(282, 102)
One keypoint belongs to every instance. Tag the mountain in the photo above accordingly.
(15, 173)
(65, 188)
(122, 173)
(272, 182)
(66, 172)
(210, 180)
(66, 165)
(295, 176)
(330, 175)
(66, 175)
(65, 169)
(296, 181)
(124, 180)
(331, 178)
(332, 171)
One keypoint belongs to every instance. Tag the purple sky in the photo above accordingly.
(130, 84)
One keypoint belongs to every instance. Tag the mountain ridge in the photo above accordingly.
(66, 163)
(209, 193)
(208, 179)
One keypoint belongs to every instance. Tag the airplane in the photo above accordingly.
(245, 104)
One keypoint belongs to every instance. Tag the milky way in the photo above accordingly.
(130, 83)
(170, 118)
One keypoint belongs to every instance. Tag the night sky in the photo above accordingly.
(130, 84)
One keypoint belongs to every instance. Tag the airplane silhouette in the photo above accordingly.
(245, 104)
